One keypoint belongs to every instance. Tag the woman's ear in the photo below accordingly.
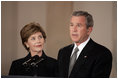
(26, 44)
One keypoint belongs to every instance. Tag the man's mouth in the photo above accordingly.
(74, 34)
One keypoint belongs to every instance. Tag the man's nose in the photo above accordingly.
(75, 28)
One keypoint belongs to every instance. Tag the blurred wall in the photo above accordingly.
(54, 18)
(8, 35)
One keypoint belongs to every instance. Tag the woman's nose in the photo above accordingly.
(38, 39)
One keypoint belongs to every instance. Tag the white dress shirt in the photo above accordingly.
(80, 47)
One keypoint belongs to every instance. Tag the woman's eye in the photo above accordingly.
(40, 36)
(32, 38)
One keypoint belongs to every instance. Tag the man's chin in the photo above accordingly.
(74, 40)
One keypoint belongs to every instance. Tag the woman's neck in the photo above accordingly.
(36, 53)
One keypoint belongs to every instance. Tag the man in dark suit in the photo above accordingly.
(85, 58)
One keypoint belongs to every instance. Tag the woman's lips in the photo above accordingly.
(38, 45)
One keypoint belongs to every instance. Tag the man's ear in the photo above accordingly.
(89, 30)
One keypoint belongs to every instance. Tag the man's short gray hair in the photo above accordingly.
(89, 18)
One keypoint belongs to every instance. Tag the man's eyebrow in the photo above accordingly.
(71, 23)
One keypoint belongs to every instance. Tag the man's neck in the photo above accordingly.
(78, 43)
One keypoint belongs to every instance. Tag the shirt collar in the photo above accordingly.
(82, 45)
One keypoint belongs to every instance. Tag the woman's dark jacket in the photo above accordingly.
(47, 67)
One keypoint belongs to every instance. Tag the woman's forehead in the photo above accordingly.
(36, 33)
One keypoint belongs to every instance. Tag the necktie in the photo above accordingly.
(72, 60)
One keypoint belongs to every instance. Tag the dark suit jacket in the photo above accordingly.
(95, 61)
(45, 68)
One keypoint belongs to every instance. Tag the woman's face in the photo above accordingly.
(35, 43)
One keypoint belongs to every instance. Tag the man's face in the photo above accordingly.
(78, 29)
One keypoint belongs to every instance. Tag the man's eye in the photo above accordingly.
(71, 24)
(78, 25)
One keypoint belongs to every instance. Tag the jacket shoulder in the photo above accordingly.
(102, 50)
(64, 50)
(67, 47)
(18, 61)
(101, 47)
